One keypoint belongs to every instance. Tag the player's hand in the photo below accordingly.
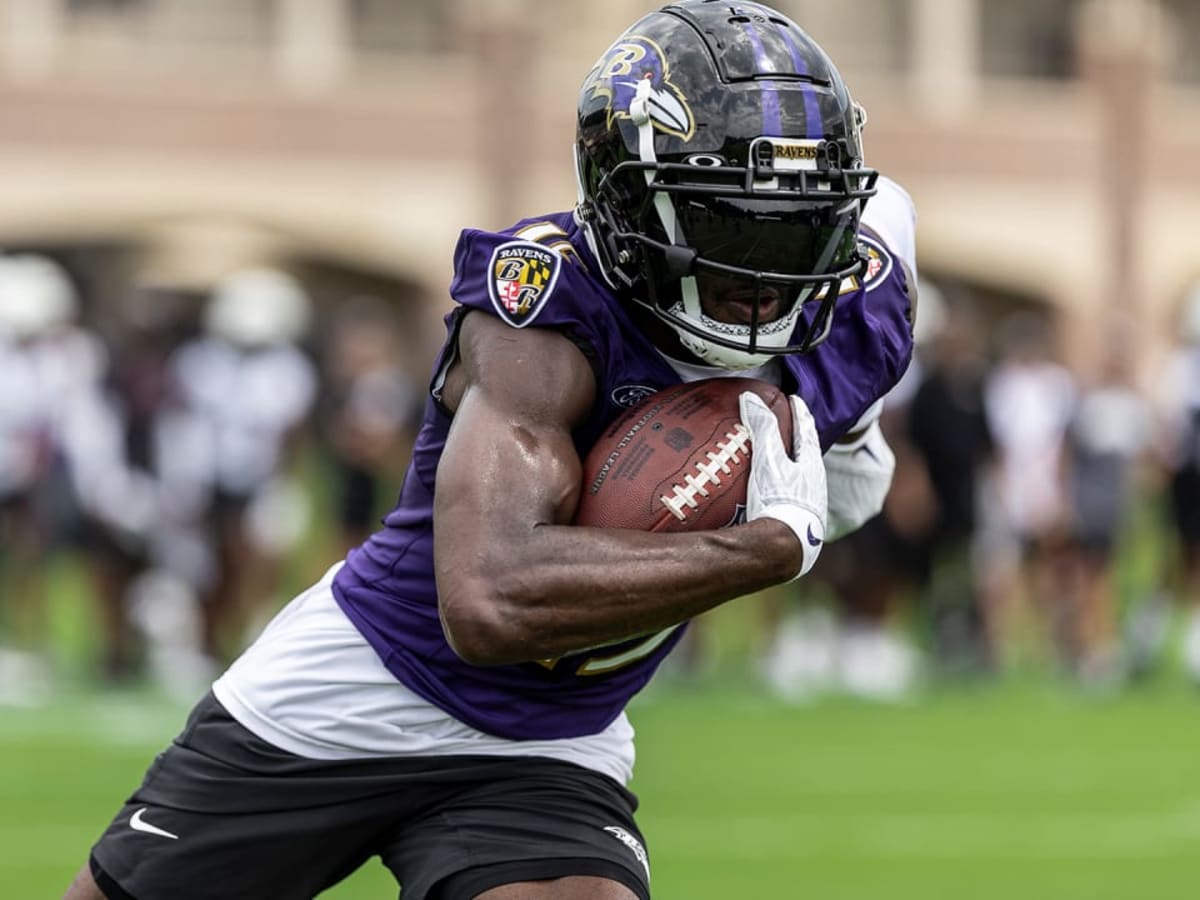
(790, 489)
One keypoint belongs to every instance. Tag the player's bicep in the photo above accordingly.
(510, 462)
(500, 471)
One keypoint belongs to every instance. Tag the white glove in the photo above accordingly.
(859, 476)
(783, 488)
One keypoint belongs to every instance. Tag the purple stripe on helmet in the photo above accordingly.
(814, 128)
(772, 119)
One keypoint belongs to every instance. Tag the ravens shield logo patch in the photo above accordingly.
(522, 275)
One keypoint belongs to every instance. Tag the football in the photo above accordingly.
(678, 461)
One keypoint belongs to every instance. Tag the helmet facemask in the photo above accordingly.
(788, 221)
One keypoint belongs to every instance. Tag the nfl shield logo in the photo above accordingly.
(522, 277)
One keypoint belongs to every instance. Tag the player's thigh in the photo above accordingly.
(529, 827)
(574, 888)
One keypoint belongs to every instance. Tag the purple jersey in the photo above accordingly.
(541, 274)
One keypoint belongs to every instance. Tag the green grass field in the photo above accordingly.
(1023, 789)
(1013, 791)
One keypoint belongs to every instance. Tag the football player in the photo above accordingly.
(451, 697)
(50, 368)
(247, 390)
(1177, 408)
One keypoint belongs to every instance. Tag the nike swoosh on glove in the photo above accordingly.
(788, 488)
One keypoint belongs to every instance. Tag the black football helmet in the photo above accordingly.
(717, 137)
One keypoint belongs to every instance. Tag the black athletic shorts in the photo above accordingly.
(221, 813)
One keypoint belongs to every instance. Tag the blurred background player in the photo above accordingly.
(948, 431)
(1108, 443)
(138, 527)
(1177, 405)
(246, 391)
(1028, 399)
(50, 371)
(370, 412)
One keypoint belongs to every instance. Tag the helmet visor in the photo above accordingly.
(769, 237)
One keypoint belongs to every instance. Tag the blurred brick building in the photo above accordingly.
(1047, 142)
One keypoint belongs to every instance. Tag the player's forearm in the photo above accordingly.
(567, 589)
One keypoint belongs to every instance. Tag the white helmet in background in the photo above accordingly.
(36, 296)
(259, 306)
